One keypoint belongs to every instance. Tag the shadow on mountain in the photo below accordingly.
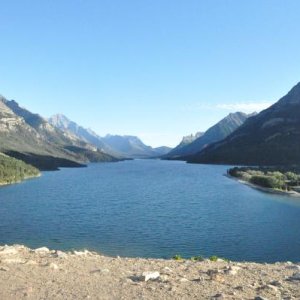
(44, 162)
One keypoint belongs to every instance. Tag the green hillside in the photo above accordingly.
(13, 170)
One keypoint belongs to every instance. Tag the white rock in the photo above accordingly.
(82, 253)
(53, 266)
(61, 254)
(150, 276)
(42, 250)
(184, 280)
(104, 271)
(232, 270)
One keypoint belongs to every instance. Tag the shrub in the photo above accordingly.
(197, 258)
(177, 257)
(213, 258)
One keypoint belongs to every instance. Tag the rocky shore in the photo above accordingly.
(264, 189)
(44, 274)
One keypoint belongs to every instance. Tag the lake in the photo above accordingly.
(151, 208)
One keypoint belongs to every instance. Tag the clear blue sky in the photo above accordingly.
(153, 68)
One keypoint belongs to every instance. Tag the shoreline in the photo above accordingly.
(52, 274)
(264, 189)
(3, 184)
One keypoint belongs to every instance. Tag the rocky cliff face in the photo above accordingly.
(215, 133)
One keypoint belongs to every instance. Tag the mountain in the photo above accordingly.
(163, 150)
(74, 130)
(186, 140)
(131, 146)
(270, 138)
(214, 134)
(31, 138)
(120, 146)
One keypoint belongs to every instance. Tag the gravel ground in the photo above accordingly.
(45, 274)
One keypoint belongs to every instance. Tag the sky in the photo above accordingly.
(158, 69)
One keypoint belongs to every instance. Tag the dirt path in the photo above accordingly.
(44, 274)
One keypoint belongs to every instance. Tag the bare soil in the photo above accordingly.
(46, 274)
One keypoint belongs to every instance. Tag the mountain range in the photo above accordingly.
(196, 143)
(121, 146)
(272, 137)
(31, 138)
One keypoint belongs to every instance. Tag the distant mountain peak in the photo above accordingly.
(59, 120)
(292, 97)
(191, 144)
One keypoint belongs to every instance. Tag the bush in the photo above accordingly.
(213, 258)
(197, 258)
(177, 257)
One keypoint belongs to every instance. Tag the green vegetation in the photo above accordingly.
(197, 258)
(13, 170)
(177, 257)
(213, 258)
(283, 179)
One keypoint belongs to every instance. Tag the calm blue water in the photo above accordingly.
(151, 208)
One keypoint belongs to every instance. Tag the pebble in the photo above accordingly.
(5, 269)
(272, 287)
(164, 278)
(105, 271)
(150, 276)
(276, 283)
(260, 298)
(53, 266)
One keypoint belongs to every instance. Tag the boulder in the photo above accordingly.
(150, 276)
